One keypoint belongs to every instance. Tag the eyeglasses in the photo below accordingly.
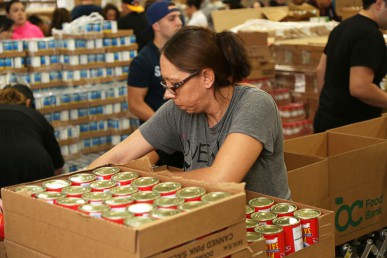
(177, 85)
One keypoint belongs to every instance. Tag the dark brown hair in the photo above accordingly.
(12, 96)
(110, 7)
(59, 16)
(195, 48)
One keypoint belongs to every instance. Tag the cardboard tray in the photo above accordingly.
(61, 232)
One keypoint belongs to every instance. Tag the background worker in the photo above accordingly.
(351, 68)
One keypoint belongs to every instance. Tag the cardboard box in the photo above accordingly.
(357, 179)
(302, 81)
(55, 231)
(16, 250)
(324, 248)
(3, 254)
(265, 71)
(227, 19)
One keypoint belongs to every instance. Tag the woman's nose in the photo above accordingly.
(168, 94)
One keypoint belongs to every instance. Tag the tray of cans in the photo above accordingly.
(278, 228)
(116, 211)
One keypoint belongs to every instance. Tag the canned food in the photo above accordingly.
(138, 221)
(96, 197)
(117, 216)
(145, 183)
(274, 238)
(264, 217)
(82, 179)
(253, 237)
(105, 173)
(141, 209)
(214, 196)
(94, 210)
(145, 197)
(119, 203)
(56, 185)
(191, 194)
(102, 186)
(249, 210)
(283, 209)
(292, 233)
(123, 191)
(161, 214)
(309, 225)
(71, 202)
(50, 197)
(188, 206)
(124, 178)
(167, 189)
(261, 203)
(251, 225)
(32, 190)
(168, 203)
(76, 191)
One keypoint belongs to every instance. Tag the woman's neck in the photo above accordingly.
(220, 105)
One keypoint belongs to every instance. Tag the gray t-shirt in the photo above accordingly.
(251, 112)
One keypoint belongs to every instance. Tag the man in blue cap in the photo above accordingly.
(145, 93)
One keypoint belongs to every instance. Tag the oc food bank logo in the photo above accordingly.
(352, 215)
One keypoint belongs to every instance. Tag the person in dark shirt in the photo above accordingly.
(85, 8)
(28, 149)
(133, 18)
(326, 8)
(351, 68)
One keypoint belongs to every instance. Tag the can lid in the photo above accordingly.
(139, 208)
(281, 208)
(250, 223)
(145, 181)
(119, 200)
(96, 196)
(187, 206)
(191, 192)
(117, 214)
(263, 215)
(268, 229)
(249, 209)
(166, 187)
(138, 221)
(94, 207)
(125, 176)
(76, 189)
(56, 183)
(145, 196)
(33, 189)
(50, 195)
(260, 202)
(307, 213)
(286, 221)
(124, 190)
(254, 237)
(159, 214)
(82, 177)
(102, 184)
(69, 201)
(167, 202)
(214, 196)
(106, 171)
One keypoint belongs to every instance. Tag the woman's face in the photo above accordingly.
(18, 14)
(111, 15)
(191, 96)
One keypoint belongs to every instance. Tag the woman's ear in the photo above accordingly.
(28, 103)
(208, 77)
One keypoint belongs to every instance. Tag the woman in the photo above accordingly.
(59, 17)
(110, 12)
(22, 28)
(227, 132)
(28, 149)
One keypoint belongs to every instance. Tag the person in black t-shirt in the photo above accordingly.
(28, 149)
(351, 68)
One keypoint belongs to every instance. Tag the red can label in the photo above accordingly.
(275, 245)
(292, 233)
(309, 231)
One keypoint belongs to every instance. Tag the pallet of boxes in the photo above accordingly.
(131, 211)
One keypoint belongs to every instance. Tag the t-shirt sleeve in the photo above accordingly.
(257, 116)
(161, 129)
(367, 50)
(139, 73)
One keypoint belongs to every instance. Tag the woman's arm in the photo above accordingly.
(233, 161)
(133, 147)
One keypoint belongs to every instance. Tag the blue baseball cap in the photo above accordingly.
(157, 11)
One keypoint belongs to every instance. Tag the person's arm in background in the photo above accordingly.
(133, 147)
(136, 103)
(321, 68)
(361, 86)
